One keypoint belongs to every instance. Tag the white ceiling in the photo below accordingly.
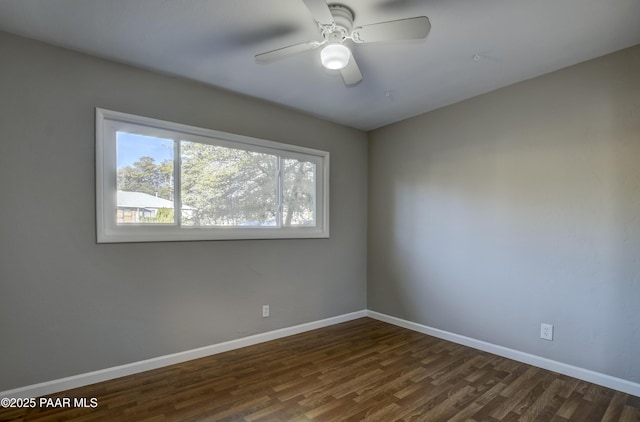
(214, 41)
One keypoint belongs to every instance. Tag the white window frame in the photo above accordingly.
(108, 123)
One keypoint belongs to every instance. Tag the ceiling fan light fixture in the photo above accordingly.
(335, 56)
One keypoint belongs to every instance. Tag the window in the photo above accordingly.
(162, 181)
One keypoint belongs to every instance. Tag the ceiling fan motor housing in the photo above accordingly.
(342, 26)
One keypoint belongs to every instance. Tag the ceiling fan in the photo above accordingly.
(335, 22)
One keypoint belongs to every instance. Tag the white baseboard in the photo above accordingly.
(55, 386)
(551, 365)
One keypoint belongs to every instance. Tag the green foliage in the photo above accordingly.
(148, 177)
(298, 192)
(228, 186)
(163, 215)
(225, 186)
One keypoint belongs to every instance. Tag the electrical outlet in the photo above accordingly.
(265, 311)
(546, 331)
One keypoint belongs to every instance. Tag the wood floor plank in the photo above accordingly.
(614, 410)
(532, 411)
(362, 370)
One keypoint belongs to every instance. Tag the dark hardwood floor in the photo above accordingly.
(359, 370)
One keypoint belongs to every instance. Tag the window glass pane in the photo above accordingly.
(145, 188)
(227, 187)
(299, 193)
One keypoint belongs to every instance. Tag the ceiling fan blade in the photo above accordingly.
(283, 52)
(320, 11)
(403, 29)
(351, 72)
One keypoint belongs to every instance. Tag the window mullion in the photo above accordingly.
(279, 191)
(177, 192)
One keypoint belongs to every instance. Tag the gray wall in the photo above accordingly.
(514, 208)
(69, 305)
(485, 218)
